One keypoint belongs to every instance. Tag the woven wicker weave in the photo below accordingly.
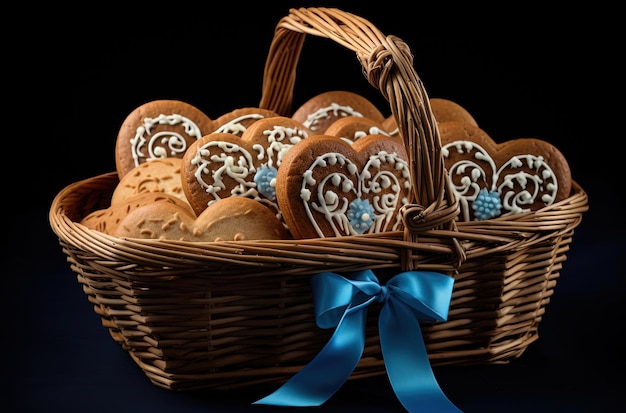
(234, 314)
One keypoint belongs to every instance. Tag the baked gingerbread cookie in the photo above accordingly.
(498, 179)
(158, 129)
(351, 128)
(229, 219)
(238, 120)
(322, 110)
(444, 110)
(158, 175)
(327, 187)
(221, 165)
(106, 220)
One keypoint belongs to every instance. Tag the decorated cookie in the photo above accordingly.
(322, 110)
(390, 124)
(229, 219)
(327, 187)
(157, 175)
(493, 180)
(106, 220)
(351, 128)
(238, 120)
(221, 165)
(158, 129)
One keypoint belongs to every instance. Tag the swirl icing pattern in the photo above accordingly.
(222, 165)
(327, 187)
(158, 129)
(150, 144)
(492, 180)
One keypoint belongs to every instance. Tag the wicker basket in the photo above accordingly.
(234, 314)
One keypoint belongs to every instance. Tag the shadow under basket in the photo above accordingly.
(239, 313)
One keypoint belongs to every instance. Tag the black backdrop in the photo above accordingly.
(521, 72)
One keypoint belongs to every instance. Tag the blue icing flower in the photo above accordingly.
(487, 205)
(265, 181)
(361, 215)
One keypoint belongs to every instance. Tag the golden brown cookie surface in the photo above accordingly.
(328, 187)
(158, 129)
(492, 180)
(107, 220)
(157, 175)
(229, 219)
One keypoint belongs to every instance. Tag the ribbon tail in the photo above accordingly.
(407, 363)
(331, 367)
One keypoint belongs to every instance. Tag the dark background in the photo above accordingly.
(74, 75)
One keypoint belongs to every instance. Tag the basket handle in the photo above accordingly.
(388, 66)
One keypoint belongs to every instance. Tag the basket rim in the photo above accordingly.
(477, 238)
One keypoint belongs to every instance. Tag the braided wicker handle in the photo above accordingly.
(388, 65)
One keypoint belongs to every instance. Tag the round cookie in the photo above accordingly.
(158, 129)
(106, 220)
(157, 175)
(222, 165)
(238, 120)
(229, 219)
(492, 180)
(328, 187)
(319, 112)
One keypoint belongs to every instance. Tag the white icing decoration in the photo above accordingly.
(360, 134)
(331, 196)
(312, 120)
(520, 188)
(217, 159)
(162, 144)
(235, 127)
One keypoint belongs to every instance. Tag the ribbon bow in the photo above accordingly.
(408, 298)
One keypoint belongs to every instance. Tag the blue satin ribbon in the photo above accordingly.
(340, 302)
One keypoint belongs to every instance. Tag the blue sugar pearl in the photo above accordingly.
(487, 205)
(263, 179)
(361, 215)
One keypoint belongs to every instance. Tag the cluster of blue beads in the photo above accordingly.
(487, 205)
(263, 179)
(359, 209)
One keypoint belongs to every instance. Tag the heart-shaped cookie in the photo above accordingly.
(237, 121)
(327, 187)
(222, 165)
(319, 112)
(158, 129)
(492, 180)
(351, 128)
(229, 219)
